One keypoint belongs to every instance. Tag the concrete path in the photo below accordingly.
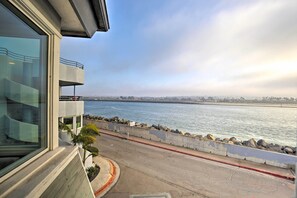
(107, 177)
(150, 170)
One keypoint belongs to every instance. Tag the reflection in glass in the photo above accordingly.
(23, 57)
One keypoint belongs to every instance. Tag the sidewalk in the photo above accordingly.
(252, 166)
(107, 177)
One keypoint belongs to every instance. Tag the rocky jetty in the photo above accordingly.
(260, 144)
(210, 137)
(250, 143)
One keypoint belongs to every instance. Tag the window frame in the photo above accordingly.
(80, 121)
(30, 15)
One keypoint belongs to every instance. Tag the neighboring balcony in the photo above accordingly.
(71, 73)
(71, 106)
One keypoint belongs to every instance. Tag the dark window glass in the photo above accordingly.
(23, 90)
(69, 122)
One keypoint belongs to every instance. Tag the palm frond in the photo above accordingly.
(64, 127)
(93, 150)
(90, 129)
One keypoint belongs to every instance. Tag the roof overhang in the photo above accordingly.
(81, 18)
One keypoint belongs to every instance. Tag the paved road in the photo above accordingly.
(149, 170)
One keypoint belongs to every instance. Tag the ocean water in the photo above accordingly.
(273, 124)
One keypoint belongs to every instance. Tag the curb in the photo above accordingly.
(114, 171)
(206, 158)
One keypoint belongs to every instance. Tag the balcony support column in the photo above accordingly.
(74, 93)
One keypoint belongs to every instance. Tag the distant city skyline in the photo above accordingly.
(191, 48)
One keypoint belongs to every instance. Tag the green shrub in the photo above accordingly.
(93, 172)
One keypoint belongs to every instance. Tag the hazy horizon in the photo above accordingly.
(169, 48)
(194, 96)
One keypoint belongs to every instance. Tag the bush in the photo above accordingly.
(93, 172)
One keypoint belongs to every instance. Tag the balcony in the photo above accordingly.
(71, 106)
(21, 131)
(71, 73)
(21, 93)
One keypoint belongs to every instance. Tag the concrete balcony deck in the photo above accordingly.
(71, 73)
(71, 108)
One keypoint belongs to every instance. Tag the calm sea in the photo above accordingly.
(274, 124)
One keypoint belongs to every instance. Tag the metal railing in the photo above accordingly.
(20, 57)
(70, 98)
(15, 56)
(71, 63)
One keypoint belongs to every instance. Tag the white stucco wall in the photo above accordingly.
(71, 108)
(89, 160)
(71, 74)
(235, 151)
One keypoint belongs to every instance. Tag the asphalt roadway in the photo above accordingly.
(149, 170)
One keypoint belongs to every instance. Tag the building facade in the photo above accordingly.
(71, 107)
(33, 161)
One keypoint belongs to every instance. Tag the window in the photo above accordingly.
(78, 121)
(23, 90)
(69, 122)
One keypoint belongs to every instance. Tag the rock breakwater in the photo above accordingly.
(260, 144)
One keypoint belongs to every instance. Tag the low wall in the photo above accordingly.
(67, 138)
(235, 151)
(89, 160)
(70, 73)
(71, 182)
(71, 108)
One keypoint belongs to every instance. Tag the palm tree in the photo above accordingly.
(64, 127)
(86, 138)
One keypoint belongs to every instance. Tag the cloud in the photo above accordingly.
(242, 40)
(241, 36)
(197, 48)
(281, 82)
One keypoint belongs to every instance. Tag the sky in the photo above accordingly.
(191, 48)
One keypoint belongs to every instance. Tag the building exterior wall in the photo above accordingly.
(43, 172)
(55, 174)
(71, 182)
(48, 11)
(71, 108)
(89, 160)
(52, 78)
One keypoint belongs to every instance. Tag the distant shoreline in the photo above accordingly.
(203, 103)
